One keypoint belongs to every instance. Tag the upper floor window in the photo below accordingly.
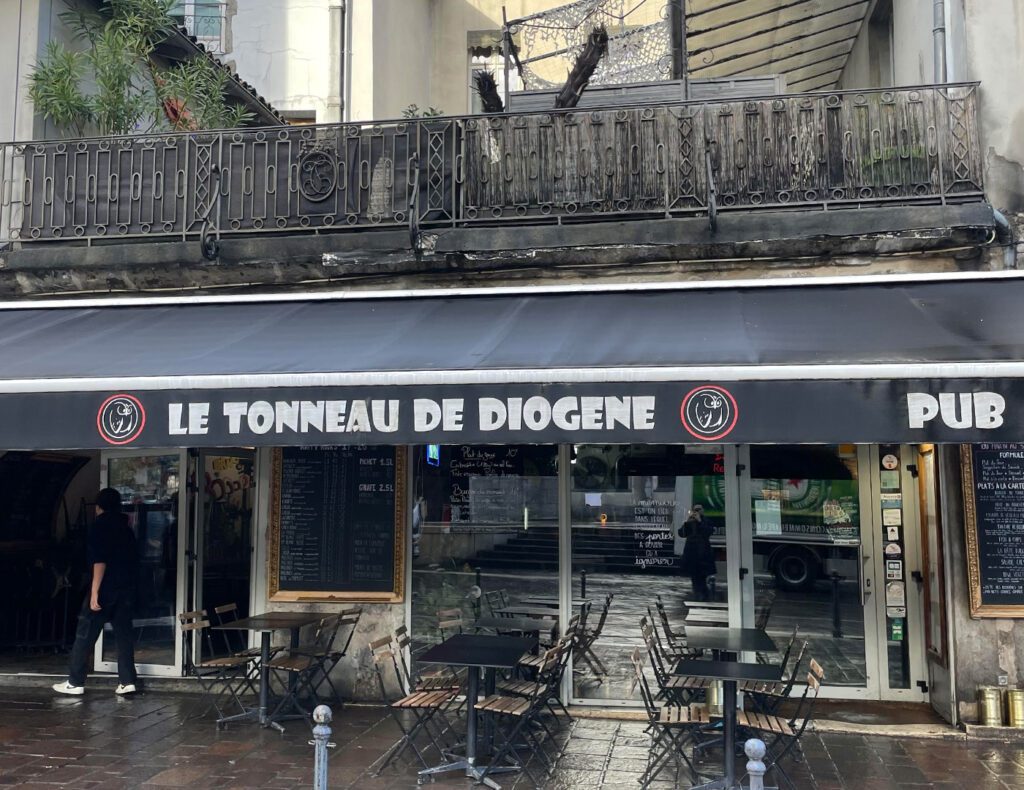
(204, 20)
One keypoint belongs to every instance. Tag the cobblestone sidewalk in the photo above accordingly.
(103, 742)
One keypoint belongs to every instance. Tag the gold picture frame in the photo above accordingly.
(979, 610)
(275, 593)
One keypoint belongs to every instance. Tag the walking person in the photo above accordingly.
(112, 558)
(698, 555)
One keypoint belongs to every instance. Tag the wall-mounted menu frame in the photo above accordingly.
(336, 474)
(993, 506)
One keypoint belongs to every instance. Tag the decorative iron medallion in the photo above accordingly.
(318, 174)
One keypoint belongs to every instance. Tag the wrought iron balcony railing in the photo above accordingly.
(850, 148)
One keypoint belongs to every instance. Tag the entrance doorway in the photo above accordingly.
(153, 495)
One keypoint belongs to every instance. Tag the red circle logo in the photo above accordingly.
(709, 412)
(121, 419)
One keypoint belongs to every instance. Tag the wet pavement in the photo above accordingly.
(108, 743)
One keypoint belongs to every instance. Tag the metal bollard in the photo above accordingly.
(755, 751)
(837, 615)
(321, 735)
(583, 584)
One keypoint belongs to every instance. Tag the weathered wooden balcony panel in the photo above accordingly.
(813, 150)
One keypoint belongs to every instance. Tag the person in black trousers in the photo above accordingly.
(698, 555)
(113, 560)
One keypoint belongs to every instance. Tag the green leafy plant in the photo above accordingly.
(116, 85)
(413, 111)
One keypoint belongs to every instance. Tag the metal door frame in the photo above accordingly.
(914, 633)
(164, 670)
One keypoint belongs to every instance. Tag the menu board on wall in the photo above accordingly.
(337, 520)
(993, 482)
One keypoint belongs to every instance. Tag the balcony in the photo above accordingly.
(689, 159)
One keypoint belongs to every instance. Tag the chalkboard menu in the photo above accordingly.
(337, 524)
(993, 481)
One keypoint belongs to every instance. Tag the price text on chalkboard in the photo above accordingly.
(993, 482)
(337, 524)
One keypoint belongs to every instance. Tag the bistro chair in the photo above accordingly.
(423, 706)
(672, 728)
(785, 733)
(672, 650)
(679, 690)
(434, 680)
(530, 662)
(550, 675)
(218, 676)
(518, 722)
(302, 670)
(589, 636)
(677, 640)
(495, 600)
(449, 622)
(768, 697)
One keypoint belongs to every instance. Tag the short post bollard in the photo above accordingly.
(321, 736)
(837, 612)
(755, 751)
(583, 584)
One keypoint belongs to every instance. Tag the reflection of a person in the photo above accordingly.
(698, 556)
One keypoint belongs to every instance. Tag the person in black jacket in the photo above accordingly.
(698, 555)
(113, 561)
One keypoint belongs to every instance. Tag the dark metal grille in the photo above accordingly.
(813, 150)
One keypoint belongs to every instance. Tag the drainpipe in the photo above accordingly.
(939, 40)
(1004, 233)
(336, 78)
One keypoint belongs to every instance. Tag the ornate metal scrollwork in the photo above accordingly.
(318, 174)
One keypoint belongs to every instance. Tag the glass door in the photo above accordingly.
(153, 497)
(628, 505)
(223, 546)
(808, 529)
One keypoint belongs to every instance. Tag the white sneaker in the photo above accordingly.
(66, 688)
(124, 689)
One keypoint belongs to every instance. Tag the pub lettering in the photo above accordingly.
(371, 415)
(959, 410)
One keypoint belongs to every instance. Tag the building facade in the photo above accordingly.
(540, 338)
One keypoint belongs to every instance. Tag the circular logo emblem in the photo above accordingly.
(121, 419)
(709, 412)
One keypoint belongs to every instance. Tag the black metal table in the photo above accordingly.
(519, 610)
(551, 600)
(266, 624)
(476, 652)
(522, 625)
(731, 641)
(730, 673)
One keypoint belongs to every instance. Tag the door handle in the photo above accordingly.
(865, 582)
(743, 573)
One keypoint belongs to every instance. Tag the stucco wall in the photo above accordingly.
(995, 56)
(282, 48)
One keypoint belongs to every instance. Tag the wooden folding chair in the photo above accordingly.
(229, 673)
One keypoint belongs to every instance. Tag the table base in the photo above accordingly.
(255, 714)
(723, 784)
(472, 770)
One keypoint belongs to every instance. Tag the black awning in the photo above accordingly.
(802, 362)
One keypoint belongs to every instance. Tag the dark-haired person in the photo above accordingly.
(112, 557)
(698, 554)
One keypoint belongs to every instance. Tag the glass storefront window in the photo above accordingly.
(629, 503)
(805, 507)
(484, 535)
